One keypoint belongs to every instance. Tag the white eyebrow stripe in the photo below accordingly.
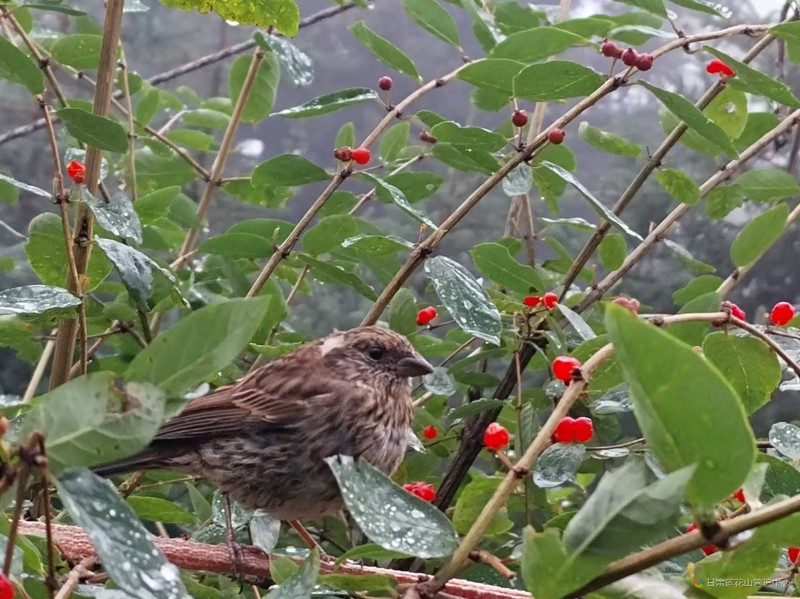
(331, 343)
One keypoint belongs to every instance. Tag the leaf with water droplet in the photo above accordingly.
(123, 544)
(264, 531)
(616, 401)
(390, 516)
(464, 298)
(518, 182)
(785, 438)
(117, 216)
(329, 103)
(558, 464)
(37, 299)
(294, 62)
(440, 382)
(300, 584)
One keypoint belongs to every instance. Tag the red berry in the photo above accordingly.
(532, 300)
(583, 429)
(629, 57)
(344, 154)
(422, 490)
(556, 136)
(716, 66)
(495, 436)
(794, 553)
(519, 118)
(644, 62)
(739, 496)
(361, 155)
(6, 588)
(430, 432)
(550, 300)
(610, 49)
(76, 172)
(565, 430)
(427, 137)
(707, 549)
(425, 315)
(737, 312)
(781, 313)
(385, 83)
(563, 367)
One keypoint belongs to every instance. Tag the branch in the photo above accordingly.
(75, 545)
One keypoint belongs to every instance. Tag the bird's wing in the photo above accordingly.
(275, 394)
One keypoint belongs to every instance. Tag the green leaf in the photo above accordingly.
(123, 544)
(781, 478)
(465, 159)
(495, 74)
(87, 421)
(558, 464)
(201, 344)
(205, 117)
(767, 184)
(518, 181)
(535, 44)
(464, 298)
(238, 245)
(288, 170)
(97, 131)
(394, 140)
(346, 136)
(402, 312)
(756, 81)
(48, 256)
(152, 206)
(375, 245)
(473, 138)
(556, 80)
(328, 272)
(710, 8)
(300, 584)
(748, 364)
(157, 509)
(147, 107)
(694, 119)
(81, 50)
(729, 110)
(627, 511)
(721, 200)
(370, 551)
(434, 19)
(11, 195)
(281, 14)
(17, 67)
(372, 585)
(155, 172)
(384, 189)
(655, 7)
(384, 50)
(759, 235)
(293, 61)
(416, 186)
(598, 206)
(696, 287)
(329, 233)
(692, 416)
(612, 251)
(495, 262)
(608, 142)
(37, 299)
(471, 500)
(390, 516)
(692, 333)
(117, 217)
(679, 185)
(265, 85)
(330, 103)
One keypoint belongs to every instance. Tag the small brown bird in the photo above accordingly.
(263, 439)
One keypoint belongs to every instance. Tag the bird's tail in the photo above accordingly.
(146, 460)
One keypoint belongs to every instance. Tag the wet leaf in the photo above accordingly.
(264, 531)
(384, 189)
(519, 181)
(329, 103)
(97, 131)
(37, 299)
(440, 382)
(785, 438)
(300, 584)
(117, 217)
(558, 464)
(293, 61)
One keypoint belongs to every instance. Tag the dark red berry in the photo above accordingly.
(344, 154)
(519, 118)
(794, 553)
(550, 300)
(644, 62)
(739, 496)
(532, 300)
(583, 429)
(563, 367)
(737, 312)
(782, 313)
(422, 490)
(77, 172)
(565, 430)
(610, 49)
(385, 83)
(430, 432)
(427, 137)
(6, 588)
(426, 315)
(556, 136)
(495, 436)
(361, 155)
(629, 57)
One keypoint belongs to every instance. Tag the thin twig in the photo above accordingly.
(22, 480)
(74, 577)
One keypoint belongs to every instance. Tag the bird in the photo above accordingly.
(263, 439)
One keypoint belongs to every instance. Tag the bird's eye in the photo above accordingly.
(375, 352)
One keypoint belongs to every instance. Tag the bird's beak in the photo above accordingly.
(414, 365)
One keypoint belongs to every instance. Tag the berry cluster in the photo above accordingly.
(717, 67)
(573, 430)
(630, 57)
(495, 437)
(781, 313)
(430, 432)
(426, 315)
(76, 171)
(422, 490)
(346, 154)
(564, 367)
(549, 300)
